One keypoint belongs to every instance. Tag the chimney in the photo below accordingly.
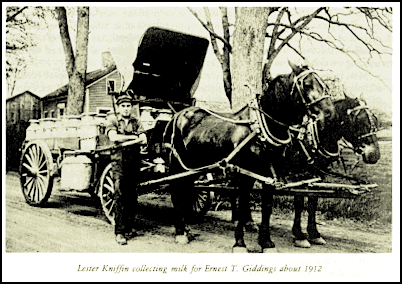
(107, 59)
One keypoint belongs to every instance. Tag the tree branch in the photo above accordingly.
(12, 17)
(227, 79)
(275, 31)
(210, 31)
(65, 39)
(213, 38)
(81, 50)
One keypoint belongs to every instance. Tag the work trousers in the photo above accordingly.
(126, 172)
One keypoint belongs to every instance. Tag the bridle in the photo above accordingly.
(298, 83)
(352, 114)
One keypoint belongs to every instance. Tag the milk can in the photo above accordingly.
(47, 124)
(76, 172)
(146, 118)
(31, 130)
(73, 123)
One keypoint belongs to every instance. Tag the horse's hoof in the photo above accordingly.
(318, 241)
(302, 244)
(269, 250)
(182, 239)
(239, 250)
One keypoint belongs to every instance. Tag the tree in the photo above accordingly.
(285, 28)
(20, 27)
(76, 64)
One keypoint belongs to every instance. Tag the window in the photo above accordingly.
(52, 114)
(61, 109)
(45, 114)
(13, 118)
(111, 85)
(103, 110)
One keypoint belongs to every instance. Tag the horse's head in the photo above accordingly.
(312, 91)
(359, 126)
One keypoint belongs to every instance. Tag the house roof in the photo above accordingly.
(90, 78)
(28, 92)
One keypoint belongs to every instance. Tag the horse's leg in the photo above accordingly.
(264, 238)
(242, 210)
(300, 237)
(314, 235)
(181, 192)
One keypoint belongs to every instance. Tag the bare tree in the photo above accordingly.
(76, 64)
(285, 27)
(20, 27)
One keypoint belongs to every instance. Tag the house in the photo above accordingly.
(96, 99)
(22, 107)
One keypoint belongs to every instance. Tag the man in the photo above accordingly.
(120, 128)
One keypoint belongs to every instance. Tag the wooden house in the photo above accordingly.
(19, 110)
(96, 99)
(22, 107)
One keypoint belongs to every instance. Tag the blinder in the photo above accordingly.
(298, 82)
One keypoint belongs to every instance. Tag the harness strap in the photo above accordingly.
(225, 118)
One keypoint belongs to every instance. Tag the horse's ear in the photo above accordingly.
(294, 67)
(362, 99)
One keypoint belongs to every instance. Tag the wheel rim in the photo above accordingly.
(35, 174)
(106, 193)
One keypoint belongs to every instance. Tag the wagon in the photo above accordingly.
(167, 72)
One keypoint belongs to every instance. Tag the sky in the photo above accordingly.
(118, 29)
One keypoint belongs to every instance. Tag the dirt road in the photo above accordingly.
(72, 222)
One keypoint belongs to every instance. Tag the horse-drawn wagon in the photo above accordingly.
(167, 71)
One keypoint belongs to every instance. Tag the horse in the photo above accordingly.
(199, 138)
(355, 123)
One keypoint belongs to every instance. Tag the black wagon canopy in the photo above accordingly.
(168, 65)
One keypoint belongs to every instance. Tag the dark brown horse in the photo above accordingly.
(201, 138)
(354, 122)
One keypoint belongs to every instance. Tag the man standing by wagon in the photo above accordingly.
(122, 127)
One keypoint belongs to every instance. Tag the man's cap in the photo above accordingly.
(124, 98)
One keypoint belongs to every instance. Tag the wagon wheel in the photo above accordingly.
(202, 203)
(36, 173)
(106, 193)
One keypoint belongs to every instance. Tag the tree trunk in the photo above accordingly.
(76, 66)
(248, 52)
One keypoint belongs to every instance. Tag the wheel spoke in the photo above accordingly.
(41, 185)
(109, 179)
(39, 153)
(33, 189)
(29, 159)
(35, 154)
(40, 160)
(111, 206)
(44, 181)
(110, 188)
(108, 202)
(28, 181)
(42, 164)
(32, 157)
(28, 167)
